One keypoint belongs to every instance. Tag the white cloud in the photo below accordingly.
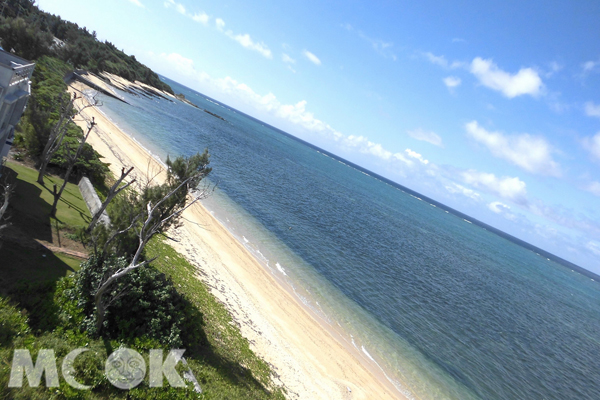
(296, 114)
(532, 153)
(414, 154)
(594, 247)
(314, 59)
(184, 66)
(592, 110)
(442, 61)
(201, 17)
(246, 41)
(137, 3)
(287, 59)
(526, 81)
(566, 218)
(177, 6)
(498, 207)
(438, 60)
(381, 47)
(554, 67)
(365, 146)
(511, 188)
(426, 136)
(452, 82)
(456, 188)
(590, 66)
(593, 145)
(594, 188)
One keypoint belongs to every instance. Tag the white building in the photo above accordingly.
(15, 82)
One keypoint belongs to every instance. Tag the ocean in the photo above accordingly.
(446, 308)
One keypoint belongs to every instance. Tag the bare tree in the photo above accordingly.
(60, 129)
(57, 134)
(72, 161)
(179, 193)
(112, 193)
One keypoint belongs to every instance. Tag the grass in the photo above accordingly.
(36, 200)
(220, 358)
(22, 264)
(24, 259)
(225, 364)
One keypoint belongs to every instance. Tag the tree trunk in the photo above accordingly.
(114, 190)
(100, 308)
(47, 155)
(56, 136)
(69, 170)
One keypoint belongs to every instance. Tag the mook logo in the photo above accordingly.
(125, 369)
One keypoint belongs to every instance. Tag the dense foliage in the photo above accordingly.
(131, 204)
(33, 33)
(145, 302)
(41, 115)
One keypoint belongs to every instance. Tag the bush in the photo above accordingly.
(144, 303)
(41, 115)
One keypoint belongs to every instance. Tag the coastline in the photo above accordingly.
(307, 358)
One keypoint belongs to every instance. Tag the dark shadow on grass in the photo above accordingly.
(29, 271)
(28, 211)
(82, 212)
(29, 279)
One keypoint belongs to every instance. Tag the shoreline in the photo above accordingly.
(309, 359)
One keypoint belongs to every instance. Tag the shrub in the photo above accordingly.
(143, 303)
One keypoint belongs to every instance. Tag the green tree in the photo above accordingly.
(152, 211)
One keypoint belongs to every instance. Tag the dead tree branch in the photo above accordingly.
(113, 191)
(72, 161)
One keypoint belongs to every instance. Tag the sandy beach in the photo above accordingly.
(308, 359)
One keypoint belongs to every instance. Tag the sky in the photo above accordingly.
(491, 107)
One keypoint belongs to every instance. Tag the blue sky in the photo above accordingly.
(490, 107)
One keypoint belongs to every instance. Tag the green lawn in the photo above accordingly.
(36, 200)
(29, 212)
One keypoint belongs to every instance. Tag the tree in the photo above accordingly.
(60, 129)
(157, 208)
(56, 136)
(57, 195)
(112, 193)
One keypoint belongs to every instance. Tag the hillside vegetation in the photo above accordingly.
(33, 33)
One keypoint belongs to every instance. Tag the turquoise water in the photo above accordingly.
(447, 309)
